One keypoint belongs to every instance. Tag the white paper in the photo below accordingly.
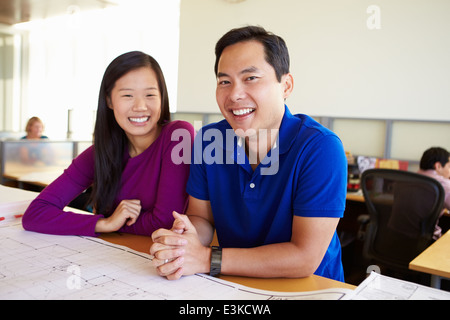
(379, 287)
(40, 266)
(14, 202)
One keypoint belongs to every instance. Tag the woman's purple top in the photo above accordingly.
(152, 177)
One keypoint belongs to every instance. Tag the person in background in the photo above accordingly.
(135, 183)
(435, 163)
(34, 129)
(274, 218)
(31, 151)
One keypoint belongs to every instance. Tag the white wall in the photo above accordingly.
(68, 55)
(340, 66)
(10, 78)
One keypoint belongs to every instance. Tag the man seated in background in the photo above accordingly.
(435, 163)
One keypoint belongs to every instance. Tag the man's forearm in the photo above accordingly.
(283, 260)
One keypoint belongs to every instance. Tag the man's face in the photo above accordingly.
(443, 170)
(248, 92)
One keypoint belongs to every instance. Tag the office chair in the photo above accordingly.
(404, 208)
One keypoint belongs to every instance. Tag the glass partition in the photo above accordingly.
(37, 161)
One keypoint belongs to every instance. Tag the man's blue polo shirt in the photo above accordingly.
(305, 175)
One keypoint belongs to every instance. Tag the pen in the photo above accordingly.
(16, 216)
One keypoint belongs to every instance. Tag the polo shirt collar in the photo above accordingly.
(290, 125)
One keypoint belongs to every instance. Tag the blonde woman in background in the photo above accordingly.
(34, 129)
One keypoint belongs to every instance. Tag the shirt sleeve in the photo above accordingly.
(46, 213)
(322, 179)
(446, 185)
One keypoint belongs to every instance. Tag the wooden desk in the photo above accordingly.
(435, 260)
(40, 176)
(355, 196)
(312, 283)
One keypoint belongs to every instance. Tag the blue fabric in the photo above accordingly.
(306, 175)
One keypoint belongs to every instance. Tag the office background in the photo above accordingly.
(374, 71)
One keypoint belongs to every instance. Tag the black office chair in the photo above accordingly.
(404, 208)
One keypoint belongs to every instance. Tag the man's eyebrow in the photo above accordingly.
(222, 74)
(246, 70)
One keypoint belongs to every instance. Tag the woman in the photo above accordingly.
(135, 184)
(34, 129)
(32, 152)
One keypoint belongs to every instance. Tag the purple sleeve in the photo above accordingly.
(46, 215)
(171, 189)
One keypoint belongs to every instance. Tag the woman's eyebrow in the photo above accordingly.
(130, 89)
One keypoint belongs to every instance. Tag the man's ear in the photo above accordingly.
(288, 82)
(437, 166)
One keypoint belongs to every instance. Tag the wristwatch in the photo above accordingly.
(216, 261)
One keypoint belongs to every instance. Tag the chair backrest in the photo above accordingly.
(404, 208)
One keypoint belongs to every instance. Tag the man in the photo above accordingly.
(277, 222)
(435, 163)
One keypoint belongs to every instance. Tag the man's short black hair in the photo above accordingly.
(433, 155)
(276, 51)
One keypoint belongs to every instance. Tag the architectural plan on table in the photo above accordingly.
(40, 266)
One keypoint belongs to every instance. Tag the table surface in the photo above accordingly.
(41, 176)
(435, 259)
(143, 244)
(355, 196)
(312, 283)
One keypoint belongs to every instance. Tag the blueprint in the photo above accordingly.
(40, 266)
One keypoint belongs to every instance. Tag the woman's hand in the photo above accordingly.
(126, 212)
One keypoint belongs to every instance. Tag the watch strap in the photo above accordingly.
(216, 261)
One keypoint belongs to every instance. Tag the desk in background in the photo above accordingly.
(36, 162)
(435, 260)
(355, 196)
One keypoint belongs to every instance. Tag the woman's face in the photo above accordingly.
(35, 130)
(136, 102)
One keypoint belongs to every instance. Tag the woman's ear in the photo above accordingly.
(109, 103)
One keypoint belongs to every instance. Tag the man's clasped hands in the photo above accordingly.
(178, 251)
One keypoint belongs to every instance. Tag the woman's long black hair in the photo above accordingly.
(110, 141)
